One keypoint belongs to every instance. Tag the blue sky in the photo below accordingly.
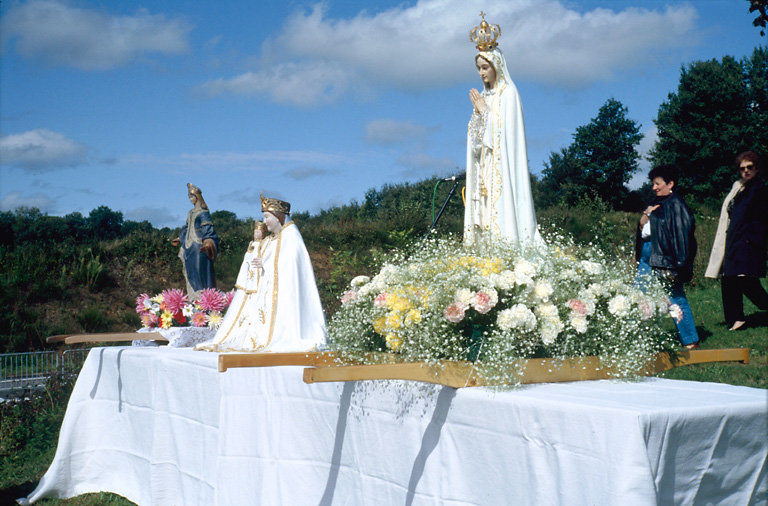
(122, 103)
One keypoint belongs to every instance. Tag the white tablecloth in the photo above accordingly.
(162, 426)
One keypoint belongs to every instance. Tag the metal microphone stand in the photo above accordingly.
(456, 182)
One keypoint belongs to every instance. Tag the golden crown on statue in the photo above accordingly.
(275, 205)
(484, 35)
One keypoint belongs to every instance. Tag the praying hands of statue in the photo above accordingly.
(209, 248)
(257, 263)
(477, 100)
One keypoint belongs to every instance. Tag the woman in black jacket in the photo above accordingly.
(666, 246)
(739, 250)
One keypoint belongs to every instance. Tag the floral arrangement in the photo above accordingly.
(494, 303)
(173, 308)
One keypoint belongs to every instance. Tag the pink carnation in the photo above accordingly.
(380, 300)
(646, 311)
(140, 308)
(149, 320)
(199, 320)
(454, 313)
(348, 296)
(174, 299)
(577, 306)
(211, 299)
(229, 295)
(482, 302)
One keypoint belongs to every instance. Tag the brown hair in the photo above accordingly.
(750, 156)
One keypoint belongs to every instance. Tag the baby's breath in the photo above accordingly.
(496, 303)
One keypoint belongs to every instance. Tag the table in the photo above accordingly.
(162, 426)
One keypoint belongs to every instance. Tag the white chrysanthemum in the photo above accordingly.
(463, 296)
(188, 310)
(366, 290)
(359, 280)
(524, 271)
(518, 316)
(547, 311)
(542, 290)
(597, 290)
(579, 323)
(505, 280)
(619, 305)
(590, 267)
(549, 333)
(676, 313)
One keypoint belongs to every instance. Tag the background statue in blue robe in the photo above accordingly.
(199, 244)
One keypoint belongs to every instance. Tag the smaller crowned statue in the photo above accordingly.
(499, 202)
(276, 306)
(198, 244)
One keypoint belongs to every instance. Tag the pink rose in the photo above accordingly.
(348, 297)
(380, 300)
(454, 313)
(482, 302)
(577, 307)
(645, 310)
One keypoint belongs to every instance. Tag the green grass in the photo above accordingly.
(707, 310)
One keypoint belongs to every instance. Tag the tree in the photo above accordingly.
(720, 109)
(599, 162)
(761, 20)
(104, 223)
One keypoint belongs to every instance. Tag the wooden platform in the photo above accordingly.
(106, 337)
(464, 374)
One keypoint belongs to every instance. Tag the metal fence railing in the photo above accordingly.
(32, 369)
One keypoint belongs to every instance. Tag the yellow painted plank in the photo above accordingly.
(462, 374)
(265, 359)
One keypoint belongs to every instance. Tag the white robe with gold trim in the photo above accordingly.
(276, 308)
(498, 194)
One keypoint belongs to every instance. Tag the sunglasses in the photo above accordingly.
(748, 167)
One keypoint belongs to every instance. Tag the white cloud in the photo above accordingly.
(14, 200)
(227, 160)
(293, 83)
(389, 131)
(41, 149)
(300, 173)
(316, 59)
(425, 163)
(650, 136)
(60, 34)
(158, 216)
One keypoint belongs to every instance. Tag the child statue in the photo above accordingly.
(276, 307)
(199, 244)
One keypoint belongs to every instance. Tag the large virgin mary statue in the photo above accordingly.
(276, 306)
(498, 199)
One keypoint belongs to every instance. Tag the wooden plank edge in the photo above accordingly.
(462, 374)
(113, 337)
(268, 359)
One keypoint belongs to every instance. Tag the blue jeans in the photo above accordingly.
(685, 327)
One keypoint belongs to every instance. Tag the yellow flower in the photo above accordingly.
(413, 316)
(166, 319)
(379, 324)
(394, 342)
(400, 303)
(393, 320)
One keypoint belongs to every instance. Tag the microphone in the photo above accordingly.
(454, 178)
